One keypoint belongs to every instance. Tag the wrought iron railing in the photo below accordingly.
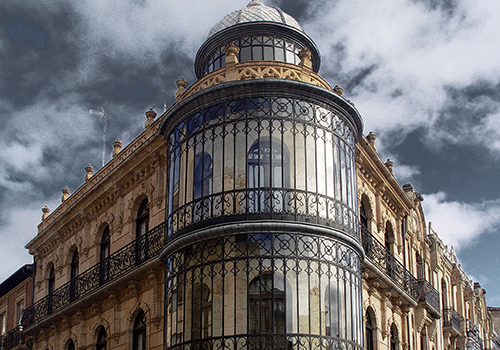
(265, 203)
(451, 319)
(430, 296)
(383, 259)
(109, 269)
(3, 342)
(473, 334)
(15, 337)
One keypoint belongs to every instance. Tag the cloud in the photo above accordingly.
(407, 54)
(15, 236)
(458, 223)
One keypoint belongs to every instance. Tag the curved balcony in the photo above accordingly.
(242, 157)
(110, 269)
(383, 260)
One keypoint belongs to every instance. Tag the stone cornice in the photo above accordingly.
(87, 200)
(370, 165)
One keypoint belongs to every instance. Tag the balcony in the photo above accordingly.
(387, 263)
(451, 321)
(474, 340)
(429, 297)
(15, 337)
(110, 269)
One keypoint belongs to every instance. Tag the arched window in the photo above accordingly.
(202, 175)
(142, 222)
(139, 336)
(394, 337)
(267, 309)
(51, 287)
(103, 257)
(363, 219)
(389, 237)
(444, 293)
(73, 275)
(101, 339)
(268, 168)
(268, 164)
(142, 227)
(202, 307)
(369, 333)
(105, 243)
(266, 299)
(70, 345)
(420, 266)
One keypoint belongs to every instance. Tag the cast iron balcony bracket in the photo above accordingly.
(116, 265)
(429, 296)
(385, 261)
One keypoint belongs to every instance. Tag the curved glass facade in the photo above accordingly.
(262, 158)
(256, 48)
(264, 291)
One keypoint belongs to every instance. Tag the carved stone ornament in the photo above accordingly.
(150, 116)
(45, 211)
(305, 58)
(181, 88)
(231, 52)
(371, 137)
(117, 146)
(65, 191)
(89, 169)
(389, 164)
(338, 90)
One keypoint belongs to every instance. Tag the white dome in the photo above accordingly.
(255, 11)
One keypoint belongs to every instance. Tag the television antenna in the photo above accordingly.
(104, 118)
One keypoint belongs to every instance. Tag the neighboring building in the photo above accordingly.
(253, 214)
(16, 294)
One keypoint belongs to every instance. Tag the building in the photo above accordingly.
(253, 214)
(15, 295)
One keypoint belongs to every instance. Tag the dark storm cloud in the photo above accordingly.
(467, 109)
(37, 46)
(359, 76)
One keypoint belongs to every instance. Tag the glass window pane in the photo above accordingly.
(268, 53)
(257, 53)
(279, 54)
(245, 54)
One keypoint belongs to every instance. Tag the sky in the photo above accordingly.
(424, 74)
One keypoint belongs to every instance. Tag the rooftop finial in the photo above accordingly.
(254, 3)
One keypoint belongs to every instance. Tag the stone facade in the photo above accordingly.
(415, 294)
(253, 214)
(16, 294)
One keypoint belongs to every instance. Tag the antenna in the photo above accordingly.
(104, 118)
(164, 106)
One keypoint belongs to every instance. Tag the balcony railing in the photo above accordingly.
(473, 334)
(116, 265)
(383, 259)
(3, 342)
(451, 319)
(15, 337)
(429, 296)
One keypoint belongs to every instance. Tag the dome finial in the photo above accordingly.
(254, 3)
